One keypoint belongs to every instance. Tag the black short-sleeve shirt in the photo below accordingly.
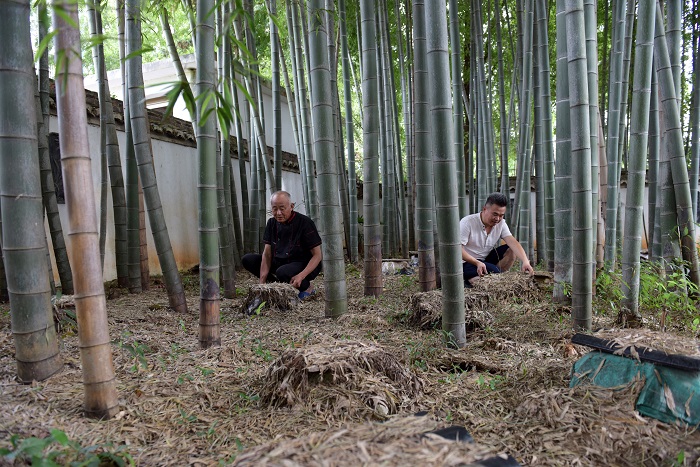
(292, 240)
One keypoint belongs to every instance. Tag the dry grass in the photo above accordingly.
(637, 339)
(275, 296)
(295, 388)
(426, 310)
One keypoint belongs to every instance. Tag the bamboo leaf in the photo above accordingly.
(44, 44)
(138, 52)
(248, 97)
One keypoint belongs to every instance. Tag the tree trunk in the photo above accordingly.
(349, 134)
(447, 209)
(90, 303)
(613, 146)
(144, 157)
(548, 138)
(132, 175)
(205, 131)
(329, 210)
(48, 189)
(370, 123)
(23, 236)
(581, 292)
(591, 24)
(674, 146)
(425, 198)
(636, 169)
(654, 241)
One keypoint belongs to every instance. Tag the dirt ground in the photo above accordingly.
(238, 403)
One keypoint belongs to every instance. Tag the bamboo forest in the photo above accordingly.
(349, 232)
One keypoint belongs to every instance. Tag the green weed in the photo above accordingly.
(137, 350)
(57, 450)
(669, 295)
(261, 351)
(490, 382)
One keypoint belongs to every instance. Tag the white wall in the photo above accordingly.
(176, 172)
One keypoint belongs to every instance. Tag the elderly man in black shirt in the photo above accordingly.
(292, 251)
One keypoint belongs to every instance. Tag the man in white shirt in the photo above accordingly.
(481, 234)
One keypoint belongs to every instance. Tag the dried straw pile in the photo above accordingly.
(509, 285)
(401, 440)
(600, 423)
(425, 310)
(345, 378)
(276, 295)
(638, 339)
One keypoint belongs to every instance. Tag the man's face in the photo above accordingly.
(282, 208)
(492, 214)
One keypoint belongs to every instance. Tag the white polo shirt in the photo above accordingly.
(475, 240)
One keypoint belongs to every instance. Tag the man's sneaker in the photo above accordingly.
(306, 294)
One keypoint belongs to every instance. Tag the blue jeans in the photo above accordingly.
(490, 261)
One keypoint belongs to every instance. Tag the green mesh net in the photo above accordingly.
(668, 394)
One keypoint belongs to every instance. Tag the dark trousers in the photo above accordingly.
(490, 261)
(280, 271)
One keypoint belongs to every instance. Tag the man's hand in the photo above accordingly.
(481, 268)
(528, 268)
(296, 280)
(263, 279)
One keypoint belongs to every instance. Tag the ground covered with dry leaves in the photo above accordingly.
(291, 387)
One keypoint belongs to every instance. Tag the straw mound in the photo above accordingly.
(601, 422)
(635, 339)
(509, 285)
(65, 301)
(345, 377)
(276, 295)
(401, 440)
(426, 310)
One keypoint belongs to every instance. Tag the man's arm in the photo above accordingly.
(316, 257)
(514, 245)
(265, 263)
(480, 266)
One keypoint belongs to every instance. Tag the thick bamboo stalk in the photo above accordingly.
(90, 304)
(524, 146)
(654, 241)
(349, 133)
(324, 148)
(425, 199)
(132, 185)
(538, 156)
(502, 104)
(23, 237)
(613, 139)
(208, 220)
(370, 123)
(548, 137)
(446, 207)
(581, 291)
(48, 189)
(276, 102)
(636, 169)
(241, 233)
(674, 147)
(457, 107)
(591, 24)
(407, 208)
(144, 158)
